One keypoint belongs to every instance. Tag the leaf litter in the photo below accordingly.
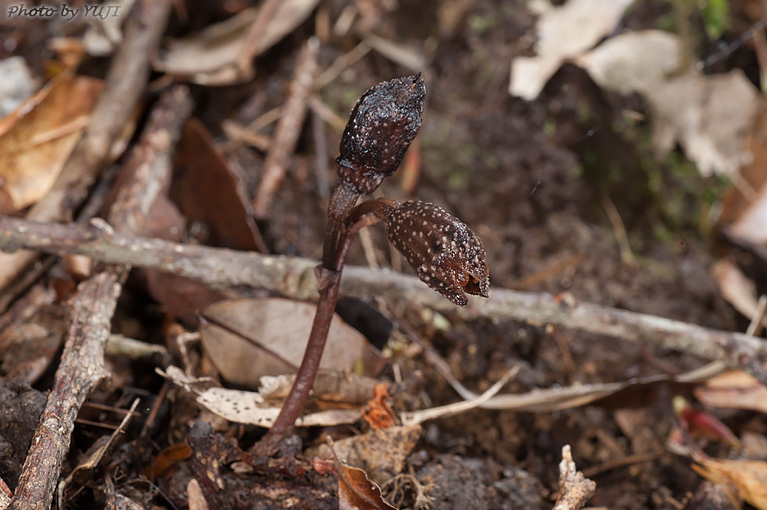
(209, 469)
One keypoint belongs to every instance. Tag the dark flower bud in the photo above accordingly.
(444, 253)
(381, 126)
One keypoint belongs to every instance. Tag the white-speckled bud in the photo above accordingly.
(441, 249)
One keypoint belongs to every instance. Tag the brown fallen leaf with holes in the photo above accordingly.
(36, 146)
(357, 492)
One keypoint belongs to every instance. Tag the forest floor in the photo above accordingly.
(565, 191)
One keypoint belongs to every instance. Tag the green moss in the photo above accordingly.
(482, 22)
(455, 162)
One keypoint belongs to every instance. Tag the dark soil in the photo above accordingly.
(529, 178)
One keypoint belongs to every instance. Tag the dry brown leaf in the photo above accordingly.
(278, 330)
(737, 289)
(357, 492)
(182, 297)
(734, 390)
(563, 32)
(209, 57)
(748, 476)
(33, 150)
(206, 191)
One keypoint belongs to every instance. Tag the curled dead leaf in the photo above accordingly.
(357, 492)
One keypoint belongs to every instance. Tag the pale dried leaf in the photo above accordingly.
(209, 57)
(248, 407)
(17, 84)
(195, 496)
(329, 386)
(633, 61)
(736, 288)
(278, 330)
(563, 33)
(708, 115)
(734, 390)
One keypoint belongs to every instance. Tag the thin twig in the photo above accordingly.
(755, 325)
(288, 128)
(252, 43)
(619, 229)
(294, 278)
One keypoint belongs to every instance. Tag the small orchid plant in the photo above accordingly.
(442, 251)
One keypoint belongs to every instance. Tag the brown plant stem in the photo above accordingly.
(341, 201)
(330, 279)
(299, 393)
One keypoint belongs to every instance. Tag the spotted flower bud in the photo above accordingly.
(381, 126)
(444, 253)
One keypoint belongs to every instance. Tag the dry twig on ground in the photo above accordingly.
(288, 128)
(574, 489)
(82, 367)
(294, 278)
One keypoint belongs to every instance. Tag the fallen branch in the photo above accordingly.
(294, 278)
(574, 489)
(288, 128)
(82, 369)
